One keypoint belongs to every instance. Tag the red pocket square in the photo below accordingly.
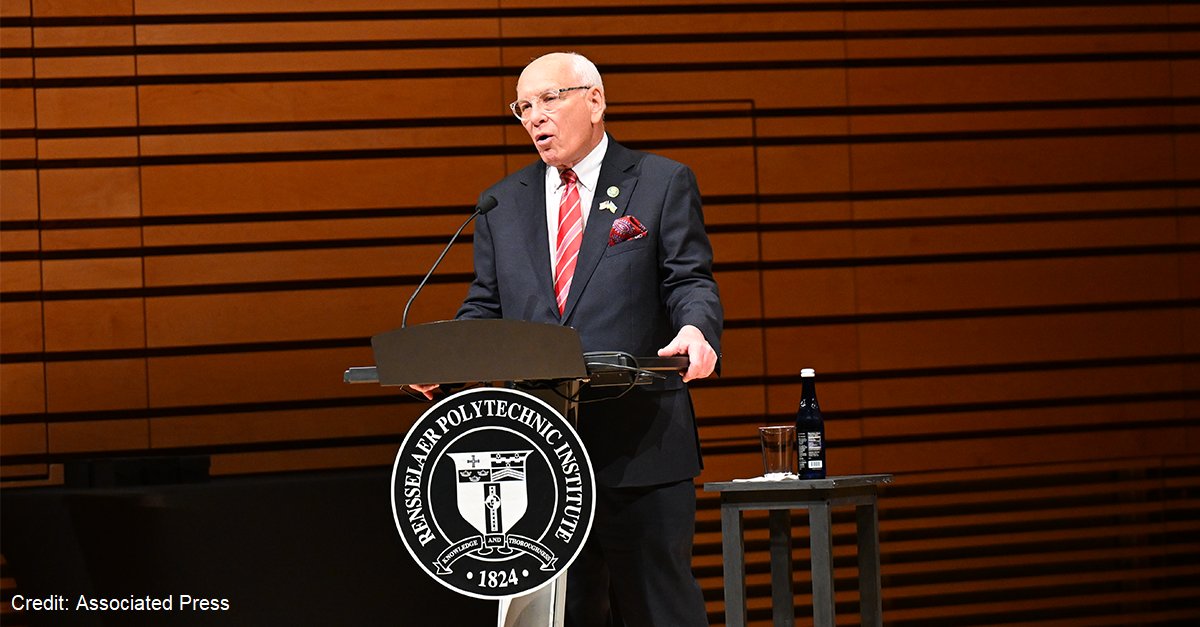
(624, 229)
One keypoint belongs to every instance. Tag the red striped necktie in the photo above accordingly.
(570, 233)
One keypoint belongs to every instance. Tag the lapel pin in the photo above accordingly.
(614, 191)
(608, 204)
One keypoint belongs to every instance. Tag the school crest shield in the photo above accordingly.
(492, 491)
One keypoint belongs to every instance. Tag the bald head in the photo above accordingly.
(581, 68)
(563, 129)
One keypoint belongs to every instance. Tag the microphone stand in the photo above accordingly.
(486, 205)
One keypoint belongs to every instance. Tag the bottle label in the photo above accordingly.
(815, 464)
(810, 444)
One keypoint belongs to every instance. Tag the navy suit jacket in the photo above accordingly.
(633, 296)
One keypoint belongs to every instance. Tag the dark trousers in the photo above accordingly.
(638, 557)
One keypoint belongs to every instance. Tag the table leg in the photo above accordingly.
(820, 532)
(734, 563)
(870, 600)
(783, 601)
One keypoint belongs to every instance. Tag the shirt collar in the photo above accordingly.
(587, 170)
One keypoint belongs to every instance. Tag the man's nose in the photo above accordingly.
(536, 116)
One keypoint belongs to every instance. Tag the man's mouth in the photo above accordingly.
(543, 140)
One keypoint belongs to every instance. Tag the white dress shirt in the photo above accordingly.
(587, 173)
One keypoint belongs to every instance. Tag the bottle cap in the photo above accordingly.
(808, 372)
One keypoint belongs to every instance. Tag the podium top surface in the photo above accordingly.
(605, 363)
(465, 351)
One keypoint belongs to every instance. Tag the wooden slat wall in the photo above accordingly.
(979, 221)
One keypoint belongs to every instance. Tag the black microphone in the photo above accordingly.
(487, 204)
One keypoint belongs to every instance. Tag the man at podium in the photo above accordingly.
(611, 242)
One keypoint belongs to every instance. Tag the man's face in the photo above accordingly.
(566, 135)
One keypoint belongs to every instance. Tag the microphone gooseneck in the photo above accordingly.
(484, 206)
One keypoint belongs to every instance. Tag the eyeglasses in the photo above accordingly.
(549, 101)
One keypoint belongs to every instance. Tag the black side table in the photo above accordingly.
(817, 496)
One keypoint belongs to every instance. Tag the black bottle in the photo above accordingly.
(810, 429)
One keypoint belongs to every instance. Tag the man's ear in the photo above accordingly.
(597, 104)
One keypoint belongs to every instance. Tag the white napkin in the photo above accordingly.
(775, 476)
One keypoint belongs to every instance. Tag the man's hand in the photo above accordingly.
(425, 388)
(690, 341)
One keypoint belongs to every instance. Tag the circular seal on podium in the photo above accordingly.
(493, 493)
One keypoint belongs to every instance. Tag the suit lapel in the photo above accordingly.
(537, 246)
(615, 171)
